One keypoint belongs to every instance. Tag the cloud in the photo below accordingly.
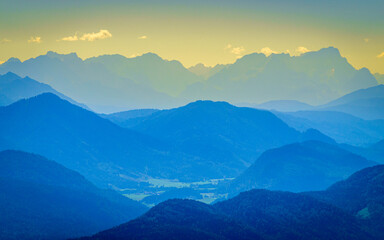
(5, 40)
(301, 50)
(70, 38)
(102, 34)
(366, 40)
(380, 55)
(142, 37)
(267, 51)
(134, 55)
(237, 50)
(35, 40)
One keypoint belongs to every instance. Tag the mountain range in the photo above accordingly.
(125, 83)
(41, 199)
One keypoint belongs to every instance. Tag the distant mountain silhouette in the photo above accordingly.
(281, 106)
(204, 71)
(14, 88)
(229, 137)
(40, 199)
(365, 103)
(111, 83)
(169, 77)
(257, 214)
(129, 118)
(91, 82)
(362, 195)
(298, 167)
(314, 78)
(342, 127)
(379, 77)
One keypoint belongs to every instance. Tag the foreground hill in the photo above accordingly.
(257, 214)
(299, 167)
(40, 199)
(14, 88)
(362, 195)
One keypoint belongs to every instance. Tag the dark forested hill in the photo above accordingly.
(40, 199)
(257, 214)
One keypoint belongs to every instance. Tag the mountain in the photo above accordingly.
(298, 167)
(364, 103)
(257, 214)
(379, 77)
(90, 82)
(14, 88)
(41, 199)
(228, 137)
(314, 77)
(342, 127)
(129, 118)
(204, 71)
(283, 106)
(169, 77)
(362, 195)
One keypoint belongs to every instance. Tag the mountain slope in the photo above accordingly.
(306, 166)
(362, 195)
(41, 199)
(364, 103)
(14, 88)
(342, 127)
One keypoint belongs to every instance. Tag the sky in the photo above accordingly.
(210, 32)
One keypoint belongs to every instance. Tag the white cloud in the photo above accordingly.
(70, 38)
(380, 55)
(267, 51)
(134, 55)
(301, 50)
(237, 50)
(142, 37)
(5, 40)
(102, 34)
(35, 40)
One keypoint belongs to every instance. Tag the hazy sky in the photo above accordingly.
(195, 31)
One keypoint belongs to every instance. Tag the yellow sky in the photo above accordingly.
(209, 32)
